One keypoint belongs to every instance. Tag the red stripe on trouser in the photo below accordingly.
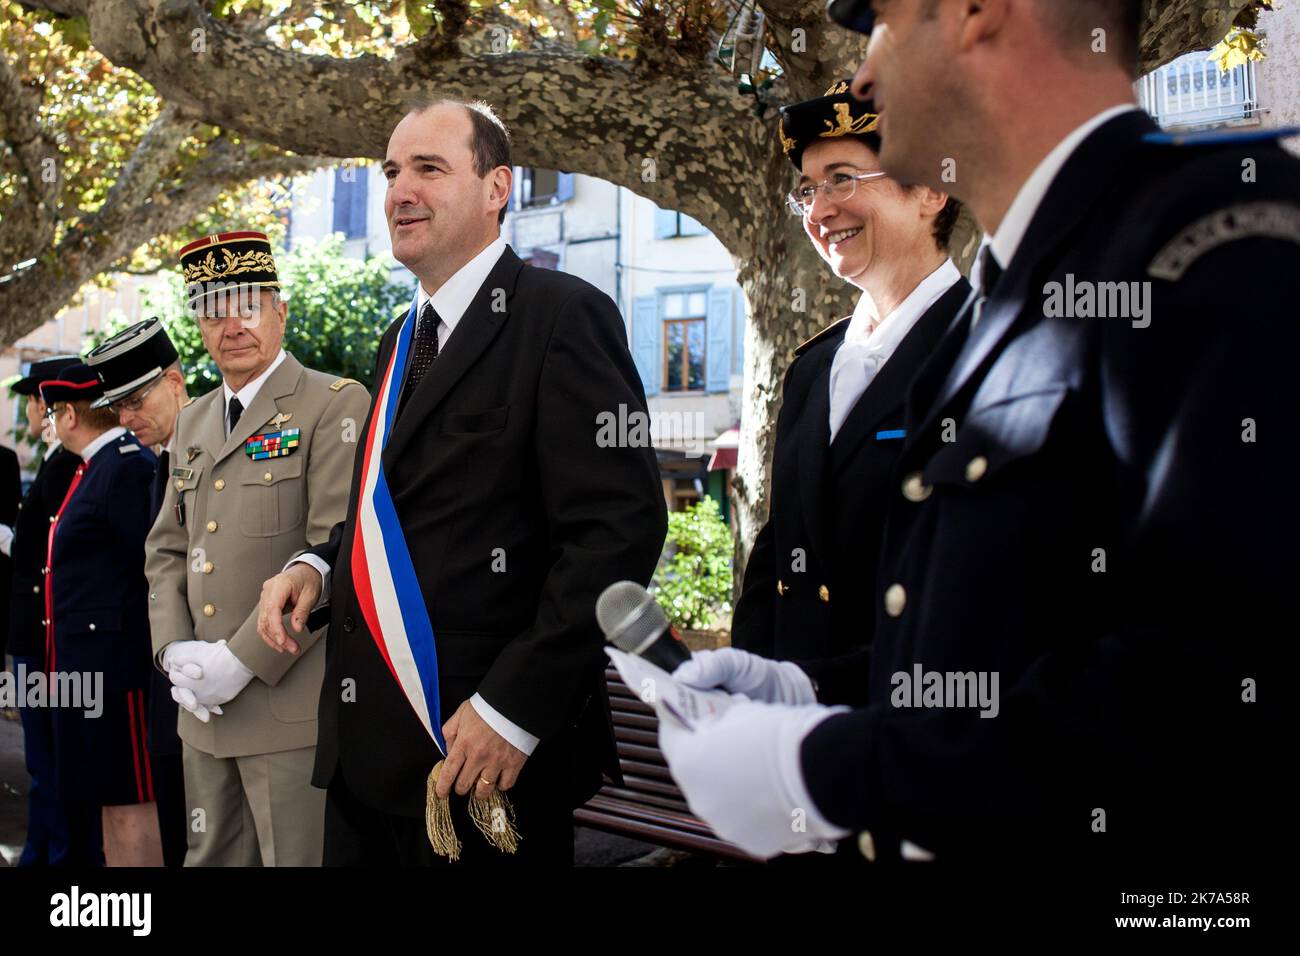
(144, 748)
(135, 745)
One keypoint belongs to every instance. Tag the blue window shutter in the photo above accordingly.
(340, 220)
(718, 348)
(737, 331)
(691, 227)
(357, 219)
(665, 223)
(564, 188)
(645, 341)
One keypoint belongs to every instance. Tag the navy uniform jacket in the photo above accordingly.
(31, 541)
(1111, 531)
(808, 589)
(11, 493)
(101, 614)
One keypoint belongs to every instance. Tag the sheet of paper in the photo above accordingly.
(671, 699)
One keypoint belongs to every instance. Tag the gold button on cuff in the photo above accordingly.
(219, 484)
(781, 588)
(209, 610)
(267, 477)
(824, 593)
(867, 845)
(976, 468)
(207, 567)
(914, 488)
(895, 600)
(212, 526)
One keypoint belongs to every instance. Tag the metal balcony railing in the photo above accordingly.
(1192, 92)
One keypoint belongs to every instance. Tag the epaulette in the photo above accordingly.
(807, 343)
(340, 384)
(127, 449)
(1219, 137)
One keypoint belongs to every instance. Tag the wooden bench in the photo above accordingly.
(648, 806)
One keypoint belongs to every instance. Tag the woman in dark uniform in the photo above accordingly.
(98, 625)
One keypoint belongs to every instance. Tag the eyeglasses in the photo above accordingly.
(838, 188)
(52, 412)
(133, 404)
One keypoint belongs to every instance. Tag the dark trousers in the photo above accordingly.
(173, 818)
(57, 835)
(359, 835)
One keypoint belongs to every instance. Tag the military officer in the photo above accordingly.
(145, 387)
(258, 471)
(51, 841)
(806, 593)
(1082, 602)
(97, 620)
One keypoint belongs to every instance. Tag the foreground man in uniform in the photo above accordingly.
(145, 387)
(1103, 538)
(807, 593)
(258, 471)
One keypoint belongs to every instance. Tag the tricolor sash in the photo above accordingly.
(383, 576)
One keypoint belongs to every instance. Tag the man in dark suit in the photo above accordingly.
(463, 582)
(1104, 542)
(807, 590)
(47, 841)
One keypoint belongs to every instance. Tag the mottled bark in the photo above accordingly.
(668, 128)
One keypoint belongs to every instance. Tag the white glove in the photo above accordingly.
(185, 697)
(741, 775)
(221, 675)
(740, 672)
(6, 539)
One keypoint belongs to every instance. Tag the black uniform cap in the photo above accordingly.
(43, 371)
(130, 359)
(855, 15)
(76, 383)
(835, 113)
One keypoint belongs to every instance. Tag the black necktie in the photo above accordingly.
(424, 351)
(159, 490)
(990, 273)
(236, 409)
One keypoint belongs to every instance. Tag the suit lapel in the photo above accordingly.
(474, 333)
(814, 439)
(1074, 192)
(283, 381)
(888, 389)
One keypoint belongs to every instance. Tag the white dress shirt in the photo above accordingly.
(869, 340)
(249, 391)
(451, 301)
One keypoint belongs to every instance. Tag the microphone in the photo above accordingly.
(634, 622)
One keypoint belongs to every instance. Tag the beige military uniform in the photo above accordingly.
(248, 769)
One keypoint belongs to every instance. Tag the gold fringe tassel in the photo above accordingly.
(494, 818)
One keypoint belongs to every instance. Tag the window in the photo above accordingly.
(543, 187)
(684, 338)
(670, 224)
(350, 184)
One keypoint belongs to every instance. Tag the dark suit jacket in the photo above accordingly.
(496, 449)
(11, 493)
(808, 588)
(101, 606)
(1104, 534)
(31, 539)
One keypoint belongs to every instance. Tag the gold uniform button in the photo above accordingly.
(36, 589)
(209, 610)
(895, 600)
(867, 845)
(179, 484)
(212, 526)
(914, 488)
(267, 477)
(219, 484)
(824, 593)
(781, 588)
(976, 468)
(92, 625)
(207, 567)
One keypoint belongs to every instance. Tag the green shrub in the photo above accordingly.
(693, 580)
